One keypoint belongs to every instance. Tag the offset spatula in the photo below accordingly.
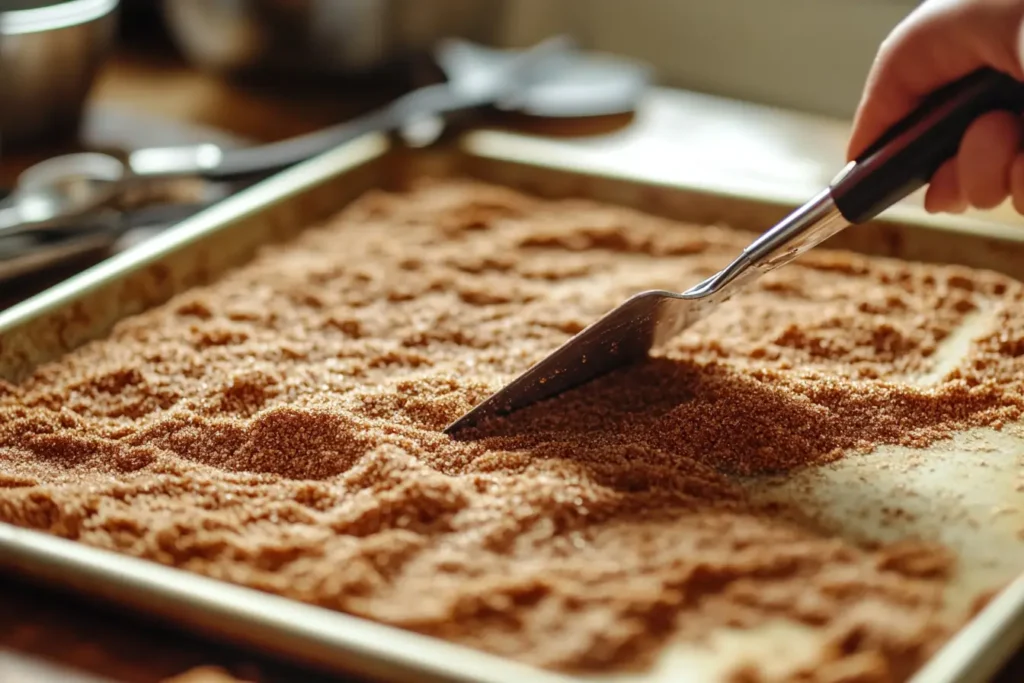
(900, 162)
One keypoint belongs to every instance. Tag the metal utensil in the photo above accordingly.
(61, 191)
(105, 233)
(900, 162)
(50, 53)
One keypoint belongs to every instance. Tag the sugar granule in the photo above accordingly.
(281, 429)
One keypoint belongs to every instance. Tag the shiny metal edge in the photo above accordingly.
(317, 635)
(250, 201)
(55, 16)
(512, 147)
(980, 648)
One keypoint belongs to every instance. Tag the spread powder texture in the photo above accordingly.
(281, 429)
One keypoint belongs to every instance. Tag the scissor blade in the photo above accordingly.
(34, 253)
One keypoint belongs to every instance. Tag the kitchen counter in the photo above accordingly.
(142, 100)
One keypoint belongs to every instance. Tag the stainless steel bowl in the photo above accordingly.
(50, 53)
(327, 37)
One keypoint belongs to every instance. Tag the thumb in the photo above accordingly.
(937, 43)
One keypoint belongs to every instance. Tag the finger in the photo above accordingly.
(886, 98)
(1017, 183)
(944, 195)
(986, 154)
(937, 43)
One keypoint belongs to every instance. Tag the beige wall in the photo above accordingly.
(803, 54)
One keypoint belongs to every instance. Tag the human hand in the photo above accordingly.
(939, 42)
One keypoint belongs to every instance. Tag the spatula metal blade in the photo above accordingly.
(622, 337)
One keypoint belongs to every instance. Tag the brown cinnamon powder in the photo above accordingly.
(282, 429)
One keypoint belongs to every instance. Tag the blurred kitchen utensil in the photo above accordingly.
(574, 84)
(61, 191)
(104, 233)
(330, 37)
(899, 163)
(27, 254)
(75, 203)
(50, 53)
(58, 192)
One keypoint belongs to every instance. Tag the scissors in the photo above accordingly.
(71, 191)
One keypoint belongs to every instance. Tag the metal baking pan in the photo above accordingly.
(226, 235)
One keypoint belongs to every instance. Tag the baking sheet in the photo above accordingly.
(958, 496)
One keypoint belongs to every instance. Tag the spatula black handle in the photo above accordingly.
(908, 154)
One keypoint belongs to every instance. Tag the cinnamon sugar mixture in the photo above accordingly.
(282, 429)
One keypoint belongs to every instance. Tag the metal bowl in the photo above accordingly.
(326, 37)
(50, 53)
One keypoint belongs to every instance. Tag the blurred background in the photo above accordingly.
(808, 55)
(804, 54)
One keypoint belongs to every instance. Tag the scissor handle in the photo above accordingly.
(907, 156)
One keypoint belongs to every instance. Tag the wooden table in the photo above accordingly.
(145, 99)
